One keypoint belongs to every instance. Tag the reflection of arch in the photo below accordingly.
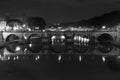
(81, 49)
(33, 35)
(35, 44)
(58, 43)
(105, 37)
(105, 40)
(11, 38)
(81, 43)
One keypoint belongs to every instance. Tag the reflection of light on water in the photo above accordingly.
(79, 40)
(0, 57)
(118, 57)
(37, 58)
(14, 58)
(30, 45)
(25, 37)
(4, 58)
(17, 57)
(17, 48)
(55, 38)
(25, 50)
(8, 58)
(103, 58)
(59, 57)
(80, 58)
(6, 55)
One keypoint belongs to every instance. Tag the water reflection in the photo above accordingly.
(105, 44)
(28, 65)
(35, 48)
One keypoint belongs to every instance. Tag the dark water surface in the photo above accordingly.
(49, 70)
(52, 69)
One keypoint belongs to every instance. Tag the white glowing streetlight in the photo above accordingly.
(17, 48)
(62, 37)
(103, 27)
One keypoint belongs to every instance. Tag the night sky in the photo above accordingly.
(55, 11)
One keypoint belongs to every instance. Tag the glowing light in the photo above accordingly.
(103, 58)
(8, 58)
(53, 37)
(17, 57)
(25, 37)
(24, 25)
(1, 57)
(30, 45)
(38, 57)
(17, 48)
(85, 40)
(59, 58)
(25, 49)
(29, 29)
(88, 40)
(62, 37)
(103, 27)
(8, 28)
(75, 38)
(15, 28)
(14, 58)
(118, 57)
(79, 38)
(80, 58)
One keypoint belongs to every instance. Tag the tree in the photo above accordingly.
(34, 22)
(13, 22)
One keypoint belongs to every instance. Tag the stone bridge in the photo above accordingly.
(114, 34)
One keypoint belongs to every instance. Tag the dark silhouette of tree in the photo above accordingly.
(109, 19)
(12, 22)
(36, 22)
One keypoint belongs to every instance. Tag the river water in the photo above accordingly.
(50, 68)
